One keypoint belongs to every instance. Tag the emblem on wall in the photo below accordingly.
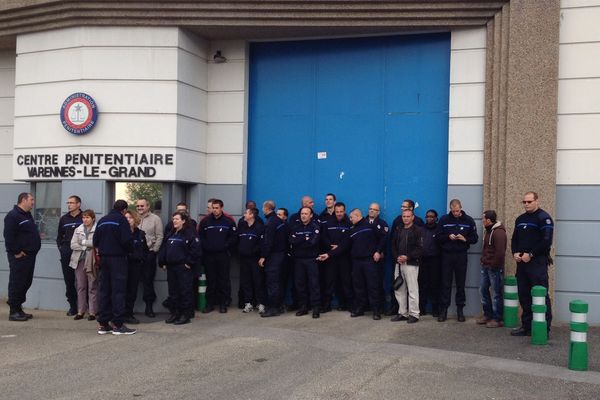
(78, 113)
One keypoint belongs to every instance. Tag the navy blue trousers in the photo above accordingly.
(20, 278)
(218, 282)
(306, 274)
(368, 286)
(112, 290)
(273, 267)
(454, 265)
(531, 274)
(253, 283)
(180, 281)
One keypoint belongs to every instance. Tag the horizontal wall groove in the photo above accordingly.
(110, 80)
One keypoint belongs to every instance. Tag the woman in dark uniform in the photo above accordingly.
(135, 262)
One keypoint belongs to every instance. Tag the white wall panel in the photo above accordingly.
(226, 106)
(231, 49)
(466, 134)
(156, 97)
(465, 168)
(468, 38)
(466, 66)
(192, 69)
(467, 100)
(193, 43)
(224, 168)
(191, 166)
(7, 111)
(191, 134)
(579, 60)
(122, 63)
(225, 138)
(576, 96)
(6, 140)
(7, 82)
(111, 130)
(6, 168)
(192, 102)
(578, 167)
(580, 25)
(578, 131)
(579, 3)
(229, 76)
(98, 36)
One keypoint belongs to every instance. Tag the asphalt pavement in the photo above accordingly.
(243, 356)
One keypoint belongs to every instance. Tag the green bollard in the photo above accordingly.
(511, 302)
(539, 325)
(578, 348)
(201, 306)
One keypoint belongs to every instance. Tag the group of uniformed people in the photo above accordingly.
(325, 255)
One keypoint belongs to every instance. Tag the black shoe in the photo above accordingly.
(412, 320)
(392, 311)
(149, 312)
(376, 316)
(459, 314)
(29, 316)
(132, 320)
(208, 309)
(520, 332)
(91, 317)
(325, 309)
(71, 312)
(271, 312)
(291, 307)
(316, 314)
(443, 315)
(223, 309)
(172, 318)
(357, 313)
(398, 317)
(301, 312)
(182, 320)
(435, 313)
(16, 316)
(77, 317)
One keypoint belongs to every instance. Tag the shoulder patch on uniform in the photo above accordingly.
(197, 240)
(378, 226)
(385, 229)
(548, 221)
(316, 231)
(234, 228)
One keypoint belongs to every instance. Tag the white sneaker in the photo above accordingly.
(261, 309)
(247, 308)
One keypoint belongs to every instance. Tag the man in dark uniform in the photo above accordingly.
(456, 233)
(531, 242)
(66, 227)
(306, 201)
(218, 236)
(366, 276)
(272, 256)
(22, 241)
(304, 237)
(113, 241)
(430, 271)
(382, 235)
(287, 269)
(336, 259)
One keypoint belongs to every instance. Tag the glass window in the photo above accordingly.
(47, 208)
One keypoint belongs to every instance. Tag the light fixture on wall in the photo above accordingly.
(219, 58)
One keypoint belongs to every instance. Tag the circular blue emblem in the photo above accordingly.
(78, 113)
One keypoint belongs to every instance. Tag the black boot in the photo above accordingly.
(149, 312)
(443, 314)
(29, 316)
(459, 314)
(182, 320)
(172, 318)
(15, 315)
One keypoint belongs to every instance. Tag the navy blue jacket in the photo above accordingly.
(533, 233)
(305, 239)
(249, 238)
(338, 233)
(463, 225)
(21, 232)
(113, 235)
(274, 238)
(364, 239)
(181, 247)
(381, 227)
(139, 247)
(66, 228)
(217, 235)
(431, 247)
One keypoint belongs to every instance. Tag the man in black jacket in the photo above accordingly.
(22, 241)
(457, 232)
(66, 227)
(407, 249)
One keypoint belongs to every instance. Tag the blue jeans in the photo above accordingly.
(492, 306)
